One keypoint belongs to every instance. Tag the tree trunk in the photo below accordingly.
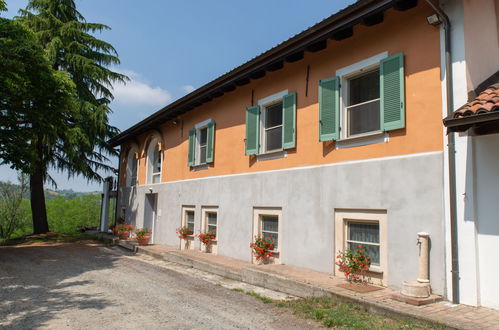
(38, 210)
(37, 194)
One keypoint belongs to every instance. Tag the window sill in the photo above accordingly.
(200, 167)
(271, 155)
(376, 270)
(361, 140)
(149, 184)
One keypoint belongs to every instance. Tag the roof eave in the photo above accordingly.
(344, 18)
(464, 123)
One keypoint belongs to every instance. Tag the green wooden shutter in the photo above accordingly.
(210, 143)
(392, 92)
(329, 109)
(252, 130)
(192, 147)
(289, 121)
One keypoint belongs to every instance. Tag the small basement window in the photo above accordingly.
(367, 235)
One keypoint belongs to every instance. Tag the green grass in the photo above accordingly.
(51, 237)
(265, 300)
(332, 313)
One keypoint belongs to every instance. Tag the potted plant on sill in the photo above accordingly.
(184, 233)
(142, 235)
(263, 249)
(354, 264)
(124, 230)
(207, 238)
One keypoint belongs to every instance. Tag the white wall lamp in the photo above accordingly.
(434, 20)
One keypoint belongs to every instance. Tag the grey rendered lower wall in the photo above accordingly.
(409, 188)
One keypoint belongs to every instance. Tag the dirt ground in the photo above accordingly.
(88, 286)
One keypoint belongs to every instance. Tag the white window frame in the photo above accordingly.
(197, 149)
(150, 176)
(264, 104)
(379, 273)
(345, 74)
(257, 227)
(185, 210)
(183, 222)
(204, 225)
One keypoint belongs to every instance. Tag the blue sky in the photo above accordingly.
(169, 48)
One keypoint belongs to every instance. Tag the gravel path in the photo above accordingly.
(86, 286)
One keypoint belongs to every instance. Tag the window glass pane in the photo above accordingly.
(203, 134)
(363, 232)
(274, 138)
(133, 179)
(274, 237)
(157, 161)
(155, 178)
(273, 116)
(270, 223)
(189, 216)
(363, 118)
(202, 155)
(212, 218)
(364, 88)
(371, 251)
(213, 229)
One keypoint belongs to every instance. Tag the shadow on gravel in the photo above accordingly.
(37, 282)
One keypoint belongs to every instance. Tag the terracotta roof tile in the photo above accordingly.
(487, 101)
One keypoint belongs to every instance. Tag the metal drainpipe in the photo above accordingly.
(451, 147)
(117, 190)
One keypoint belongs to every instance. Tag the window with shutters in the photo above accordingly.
(364, 99)
(201, 143)
(271, 125)
(268, 223)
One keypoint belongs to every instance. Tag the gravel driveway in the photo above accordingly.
(87, 286)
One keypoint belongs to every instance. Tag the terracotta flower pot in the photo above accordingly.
(123, 234)
(143, 240)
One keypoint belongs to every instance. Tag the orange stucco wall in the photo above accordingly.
(405, 32)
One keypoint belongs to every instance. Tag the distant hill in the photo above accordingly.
(67, 193)
(50, 194)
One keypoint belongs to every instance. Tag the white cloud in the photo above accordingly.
(137, 92)
(188, 88)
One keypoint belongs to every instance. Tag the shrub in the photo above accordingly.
(141, 233)
(183, 232)
(262, 247)
(354, 264)
(207, 238)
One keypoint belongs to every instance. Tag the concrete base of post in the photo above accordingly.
(415, 289)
